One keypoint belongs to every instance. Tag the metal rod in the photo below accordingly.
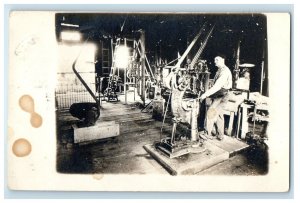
(262, 76)
(125, 84)
(150, 70)
(173, 132)
(199, 52)
(172, 61)
(151, 73)
(237, 64)
(194, 126)
(262, 68)
(165, 114)
(143, 66)
(189, 47)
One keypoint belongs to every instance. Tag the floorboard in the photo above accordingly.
(132, 151)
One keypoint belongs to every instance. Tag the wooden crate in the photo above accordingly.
(158, 109)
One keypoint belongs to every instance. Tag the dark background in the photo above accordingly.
(169, 34)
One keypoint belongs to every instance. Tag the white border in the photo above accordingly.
(296, 62)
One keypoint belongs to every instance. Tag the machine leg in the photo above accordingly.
(231, 118)
(238, 124)
(194, 122)
(173, 132)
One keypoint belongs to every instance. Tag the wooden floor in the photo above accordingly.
(125, 154)
(212, 153)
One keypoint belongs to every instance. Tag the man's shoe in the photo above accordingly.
(202, 136)
(209, 136)
(220, 137)
(195, 144)
(206, 135)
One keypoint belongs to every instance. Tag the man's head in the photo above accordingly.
(220, 61)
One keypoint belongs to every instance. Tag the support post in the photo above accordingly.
(125, 79)
(143, 65)
(262, 77)
(194, 122)
(125, 86)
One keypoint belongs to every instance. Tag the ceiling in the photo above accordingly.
(170, 34)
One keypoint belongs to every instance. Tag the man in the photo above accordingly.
(218, 93)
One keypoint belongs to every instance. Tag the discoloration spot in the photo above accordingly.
(211, 113)
(26, 103)
(36, 120)
(98, 176)
(21, 147)
(24, 45)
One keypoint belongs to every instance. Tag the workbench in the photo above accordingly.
(243, 116)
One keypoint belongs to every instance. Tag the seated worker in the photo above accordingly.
(218, 93)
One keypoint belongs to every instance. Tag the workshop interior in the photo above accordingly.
(130, 93)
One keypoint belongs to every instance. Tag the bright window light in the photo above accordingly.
(70, 36)
(122, 57)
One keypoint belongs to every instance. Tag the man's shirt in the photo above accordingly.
(222, 80)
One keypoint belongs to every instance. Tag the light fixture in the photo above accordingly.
(122, 56)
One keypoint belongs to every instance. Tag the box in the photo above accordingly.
(158, 109)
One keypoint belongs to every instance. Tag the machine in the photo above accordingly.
(89, 112)
(186, 85)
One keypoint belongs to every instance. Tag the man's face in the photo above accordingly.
(219, 61)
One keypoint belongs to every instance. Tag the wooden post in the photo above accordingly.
(125, 84)
(194, 122)
(244, 125)
(230, 127)
(236, 70)
(125, 80)
(262, 77)
(262, 71)
(237, 135)
(143, 65)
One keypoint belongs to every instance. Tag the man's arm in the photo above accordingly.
(221, 81)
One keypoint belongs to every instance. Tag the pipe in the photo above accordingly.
(81, 79)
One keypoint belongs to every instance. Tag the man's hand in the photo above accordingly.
(203, 96)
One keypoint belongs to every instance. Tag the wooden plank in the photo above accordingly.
(229, 144)
(99, 131)
(190, 163)
(124, 144)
